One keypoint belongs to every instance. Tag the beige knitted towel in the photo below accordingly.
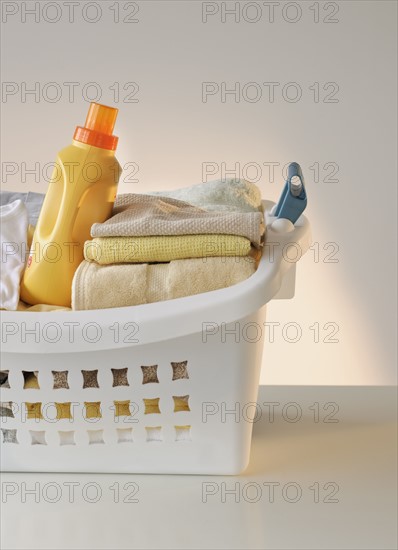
(99, 287)
(137, 215)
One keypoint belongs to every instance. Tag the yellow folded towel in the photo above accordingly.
(114, 250)
(104, 286)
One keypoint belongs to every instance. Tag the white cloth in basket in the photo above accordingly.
(13, 235)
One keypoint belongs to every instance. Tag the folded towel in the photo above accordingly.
(99, 287)
(228, 195)
(40, 307)
(136, 215)
(114, 250)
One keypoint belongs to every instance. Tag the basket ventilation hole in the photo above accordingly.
(152, 406)
(67, 438)
(183, 433)
(4, 383)
(122, 408)
(33, 411)
(31, 380)
(180, 370)
(95, 437)
(181, 403)
(63, 410)
(60, 379)
(9, 436)
(93, 409)
(120, 377)
(154, 433)
(90, 379)
(124, 435)
(6, 409)
(150, 374)
(38, 438)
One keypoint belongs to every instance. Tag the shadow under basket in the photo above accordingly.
(169, 387)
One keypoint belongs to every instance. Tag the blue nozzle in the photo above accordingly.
(293, 200)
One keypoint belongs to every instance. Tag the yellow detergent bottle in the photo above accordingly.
(82, 191)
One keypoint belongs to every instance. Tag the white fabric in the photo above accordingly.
(13, 236)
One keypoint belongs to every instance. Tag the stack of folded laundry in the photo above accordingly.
(171, 244)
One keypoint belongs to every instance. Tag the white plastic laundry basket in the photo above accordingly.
(172, 385)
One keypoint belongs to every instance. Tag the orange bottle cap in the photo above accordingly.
(98, 127)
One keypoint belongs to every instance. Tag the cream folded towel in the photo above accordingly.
(40, 307)
(136, 215)
(227, 195)
(99, 287)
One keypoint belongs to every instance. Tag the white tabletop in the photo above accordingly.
(326, 479)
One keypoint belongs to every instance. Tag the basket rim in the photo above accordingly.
(161, 320)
